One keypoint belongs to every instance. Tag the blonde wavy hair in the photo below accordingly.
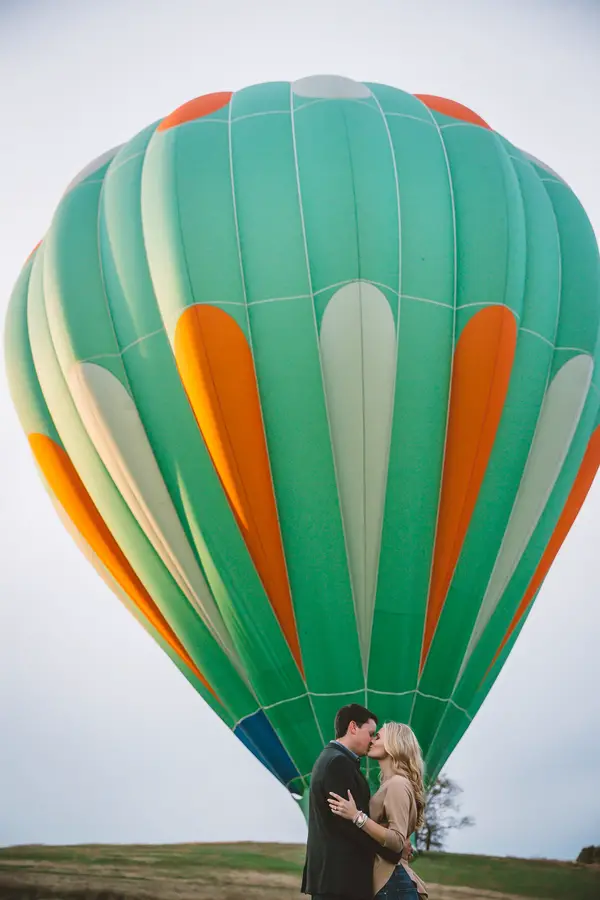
(402, 746)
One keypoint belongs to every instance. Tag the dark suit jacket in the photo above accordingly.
(339, 856)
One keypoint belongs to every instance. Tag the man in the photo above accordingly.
(339, 856)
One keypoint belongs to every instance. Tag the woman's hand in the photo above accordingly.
(346, 809)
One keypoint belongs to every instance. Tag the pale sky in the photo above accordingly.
(101, 738)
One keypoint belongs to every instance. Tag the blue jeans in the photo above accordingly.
(329, 897)
(399, 887)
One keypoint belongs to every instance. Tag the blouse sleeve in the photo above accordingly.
(396, 806)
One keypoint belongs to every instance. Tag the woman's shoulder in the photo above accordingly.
(399, 785)
(399, 780)
(395, 785)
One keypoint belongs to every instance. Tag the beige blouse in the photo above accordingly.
(394, 807)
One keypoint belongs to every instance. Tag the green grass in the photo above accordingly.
(522, 877)
(173, 865)
(260, 857)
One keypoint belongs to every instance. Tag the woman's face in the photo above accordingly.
(377, 750)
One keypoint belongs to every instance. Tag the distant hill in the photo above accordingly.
(249, 871)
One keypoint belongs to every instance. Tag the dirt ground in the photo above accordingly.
(63, 881)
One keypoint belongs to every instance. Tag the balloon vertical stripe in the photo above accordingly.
(196, 109)
(69, 490)
(358, 353)
(112, 421)
(482, 367)
(579, 491)
(452, 109)
(559, 417)
(217, 371)
(137, 613)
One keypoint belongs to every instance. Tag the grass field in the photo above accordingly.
(259, 872)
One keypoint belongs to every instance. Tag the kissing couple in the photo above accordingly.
(358, 846)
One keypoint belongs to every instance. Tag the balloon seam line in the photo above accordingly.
(548, 380)
(435, 123)
(298, 664)
(393, 398)
(318, 346)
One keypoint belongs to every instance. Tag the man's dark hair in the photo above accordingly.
(354, 712)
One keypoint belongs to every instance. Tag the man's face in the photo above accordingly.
(362, 736)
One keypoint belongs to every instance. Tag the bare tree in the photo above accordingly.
(589, 856)
(441, 814)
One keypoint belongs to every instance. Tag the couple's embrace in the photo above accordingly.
(358, 846)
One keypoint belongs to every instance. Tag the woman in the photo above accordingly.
(396, 810)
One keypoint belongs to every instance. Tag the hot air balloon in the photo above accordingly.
(310, 373)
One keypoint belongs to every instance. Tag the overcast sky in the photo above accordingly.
(101, 738)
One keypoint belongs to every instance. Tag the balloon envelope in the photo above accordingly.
(310, 373)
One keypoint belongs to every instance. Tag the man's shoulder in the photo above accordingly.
(331, 753)
(328, 752)
(334, 751)
(334, 762)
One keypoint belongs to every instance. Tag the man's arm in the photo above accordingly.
(337, 778)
